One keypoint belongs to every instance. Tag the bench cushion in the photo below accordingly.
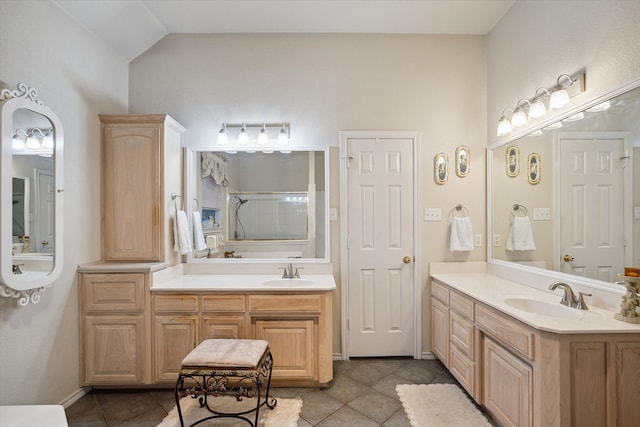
(226, 353)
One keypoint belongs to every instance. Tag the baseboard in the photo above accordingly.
(74, 397)
(427, 355)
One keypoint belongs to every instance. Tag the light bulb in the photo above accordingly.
(263, 139)
(223, 138)
(283, 136)
(47, 140)
(504, 126)
(18, 141)
(519, 118)
(537, 110)
(33, 143)
(559, 98)
(243, 137)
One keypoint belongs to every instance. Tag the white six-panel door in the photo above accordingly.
(380, 288)
(592, 206)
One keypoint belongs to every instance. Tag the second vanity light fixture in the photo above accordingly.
(559, 96)
(33, 141)
(240, 135)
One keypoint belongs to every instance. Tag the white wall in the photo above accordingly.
(536, 41)
(78, 78)
(325, 83)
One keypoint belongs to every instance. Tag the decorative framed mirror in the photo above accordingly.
(31, 195)
(441, 168)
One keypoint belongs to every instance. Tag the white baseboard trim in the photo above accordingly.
(426, 355)
(74, 397)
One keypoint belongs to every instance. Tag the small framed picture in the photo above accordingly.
(441, 168)
(462, 161)
(512, 162)
(533, 168)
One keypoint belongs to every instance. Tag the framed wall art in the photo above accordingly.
(533, 168)
(512, 161)
(441, 168)
(462, 161)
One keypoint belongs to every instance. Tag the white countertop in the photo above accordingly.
(33, 415)
(246, 282)
(493, 291)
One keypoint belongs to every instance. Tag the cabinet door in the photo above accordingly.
(113, 350)
(131, 196)
(223, 327)
(440, 331)
(292, 344)
(507, 386)
(175, 338)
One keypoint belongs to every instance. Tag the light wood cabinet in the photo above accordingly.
(527, 377)
(113, 329)
(297, 327)
(507, 385)
(141, 167)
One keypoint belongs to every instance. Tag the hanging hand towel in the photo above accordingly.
(520, 236)
(198, 235)
(181, 235)
(461, 235)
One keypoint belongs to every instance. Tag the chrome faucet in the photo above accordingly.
(569, 298)
(15, 269)
(289, 273)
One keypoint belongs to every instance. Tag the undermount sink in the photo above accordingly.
(288, 282)
(544, 308)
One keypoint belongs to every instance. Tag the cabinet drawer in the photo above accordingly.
(223, 303)
(288, 303)
(462, 334)
(176, 303)
(461, 304)
(463, 369)
(505, 329)
(440, 292)
(109, 292)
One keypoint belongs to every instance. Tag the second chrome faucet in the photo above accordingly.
(289, 272)
(569, 298)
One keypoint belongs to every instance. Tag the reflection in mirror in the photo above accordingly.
(30, 250)
(261, 205)
(581, 192)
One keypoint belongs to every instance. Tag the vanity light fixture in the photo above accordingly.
(253, 135)
(603, 106)
(559, 96)
(47, 140)
(18, 141)
(504, 124)
(519, 118)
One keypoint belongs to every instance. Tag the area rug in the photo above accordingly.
(435, 405)
(285, 414)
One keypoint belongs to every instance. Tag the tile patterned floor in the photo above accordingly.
(362, 394)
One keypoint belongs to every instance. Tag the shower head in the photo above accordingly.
(241, 201)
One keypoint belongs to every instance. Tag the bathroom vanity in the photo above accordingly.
(531, 361)
(136, 327)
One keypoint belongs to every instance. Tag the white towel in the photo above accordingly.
(461, 234)
(181, 235)
(520, 236)
(198, 235)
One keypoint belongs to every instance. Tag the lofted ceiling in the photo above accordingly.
(132, 26)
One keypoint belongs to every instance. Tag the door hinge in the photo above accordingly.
(347, 161)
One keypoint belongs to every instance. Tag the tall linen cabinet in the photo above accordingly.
(141, 168)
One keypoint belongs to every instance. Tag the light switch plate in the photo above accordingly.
(478, 240)
(496, 240)
(541, 214)
(432, 214)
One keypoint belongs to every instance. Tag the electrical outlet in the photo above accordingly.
(541, 214)
(478, 240)
(433, 214)
(496, 240)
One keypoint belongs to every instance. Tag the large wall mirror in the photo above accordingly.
(266, 205)
(30, 195)
(573, 206)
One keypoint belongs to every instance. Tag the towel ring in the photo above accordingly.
(174, 197)
(517, 207)
(459, 208)
(197, 204)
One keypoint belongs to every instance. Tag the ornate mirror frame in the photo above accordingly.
(26, 287)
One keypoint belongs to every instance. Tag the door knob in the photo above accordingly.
(406, 260)
(44, 243)
(567, 258)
